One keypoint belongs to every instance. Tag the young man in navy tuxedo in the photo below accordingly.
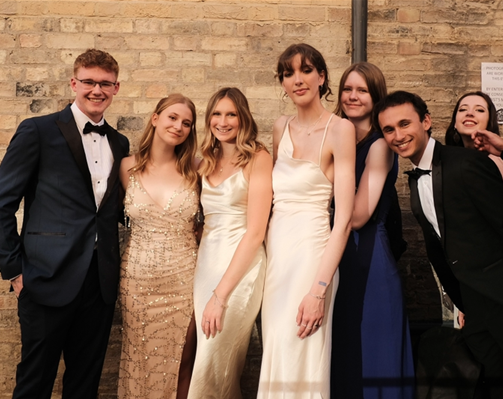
(64, 266)
(456, 196)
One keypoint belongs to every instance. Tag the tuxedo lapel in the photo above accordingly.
(113, 140)
(69, 129)
(437, 190)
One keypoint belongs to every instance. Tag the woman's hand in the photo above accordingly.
(310, 316)
(488, 141)
(213, 316)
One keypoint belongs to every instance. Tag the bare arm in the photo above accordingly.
(259, 205)
(341, 141)
(488, 141)
(377, 166)
(126, 164)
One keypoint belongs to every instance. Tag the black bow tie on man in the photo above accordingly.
(417, 173)
(102, 130)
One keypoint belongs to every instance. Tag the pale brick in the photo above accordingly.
(308, 14)
(157, 90)
(233, 12)
(32, 7)
(223, 28)
(108, 9)
(408, 15)
(8, 7)
(223, 60)
(8, 121)
(108, 25)
(201, 28)
(151, 59)
(263, 13)
(10, 73)
(38, 74)
(444, 48)
(130, 90)
(110, 42)
(263, 29)
(146, 26)
(160, 75)
(7, 41)
(224, 44)
(193, 75)
(409, 48)
(187, 12)
(3, 56)
(144, 107)
(70, 41)
(382, 15)
(80, 8)
(182, 59)
(7, 89)
(295, 29)
(2, 24)
(150, 42)
(30, 40)
(10, 106)
(120, 106)
(72, 25)
(146, 10)
(31, 56)
(188, 43)
(340, 15)
(261, 92)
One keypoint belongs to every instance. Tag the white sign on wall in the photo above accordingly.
(492, 84)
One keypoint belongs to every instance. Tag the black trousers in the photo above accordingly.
(483, 333)
(79, 331)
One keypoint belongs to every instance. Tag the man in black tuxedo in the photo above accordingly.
(64, 266)
(456, 197)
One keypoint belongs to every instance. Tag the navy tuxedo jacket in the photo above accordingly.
(45, 163)
(468, 194)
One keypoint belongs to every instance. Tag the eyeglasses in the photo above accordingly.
(91, 84)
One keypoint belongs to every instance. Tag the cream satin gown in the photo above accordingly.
(298, 233)
(220, 360)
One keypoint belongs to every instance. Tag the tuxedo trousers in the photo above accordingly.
(79, 331)
(483, 333)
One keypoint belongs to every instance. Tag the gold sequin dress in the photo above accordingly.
(220, 360)
(156, 288)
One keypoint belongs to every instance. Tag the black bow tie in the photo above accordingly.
(417, 173)
(103, 129)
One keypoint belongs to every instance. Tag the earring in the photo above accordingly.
(456, 136)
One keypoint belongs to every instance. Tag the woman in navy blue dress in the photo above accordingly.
(371, 350)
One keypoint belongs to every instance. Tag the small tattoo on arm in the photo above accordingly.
(322, 283)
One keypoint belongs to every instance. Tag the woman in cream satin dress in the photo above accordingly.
(236, 199)
(314, 153)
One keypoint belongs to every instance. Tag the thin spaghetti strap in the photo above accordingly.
(286, 124)
(323, 139)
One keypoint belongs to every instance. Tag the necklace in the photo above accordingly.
(312, 126)
(222, 166)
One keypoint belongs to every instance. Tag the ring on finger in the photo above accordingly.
(304, 325)
(309, 328)
(206, 321)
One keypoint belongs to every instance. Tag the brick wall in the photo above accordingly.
(432, 47)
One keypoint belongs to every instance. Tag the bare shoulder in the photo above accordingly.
(263, 158)
(127, 163)
(279, 125)
(340, 131)
(196, 162)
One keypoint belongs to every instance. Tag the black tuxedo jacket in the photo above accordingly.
(45, 163)
(468, 194)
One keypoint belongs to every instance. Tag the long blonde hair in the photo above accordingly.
(246, 141)
(185, 152)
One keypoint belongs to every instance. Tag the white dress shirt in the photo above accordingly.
(425, 186)
(98, 154)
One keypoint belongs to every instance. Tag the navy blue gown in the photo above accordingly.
(371, 349)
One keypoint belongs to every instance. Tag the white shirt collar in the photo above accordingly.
(427, 158)
(81, 119)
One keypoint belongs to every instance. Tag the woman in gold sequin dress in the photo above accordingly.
(236, 199)
(157, 270)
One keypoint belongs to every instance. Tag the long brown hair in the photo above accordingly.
(246, 141)
(376, 83)
(307, 54)
(185, 152)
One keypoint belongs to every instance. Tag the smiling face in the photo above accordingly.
(93, 102)
(172, 125)
(224, 122)
(355, 98)
(301, 83)
(472, 115)
(404, 132)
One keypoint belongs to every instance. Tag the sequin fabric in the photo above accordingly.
(157, 273)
